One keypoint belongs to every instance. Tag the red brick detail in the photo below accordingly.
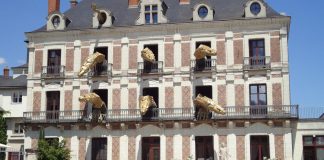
(169, 97)
(67, 143)
(275, 33)
(221, 77)
(85, 43)
(115, 148)
(116, 99)
(133, 41)
(275, 50)
(169, 147)
(132, 81)
(38, 61)
(222, 139)
(279, 143)
(37, 101)
(186, 97)
(276, 94)
(34, 143)
(116, 81)
(185, 52)
(83, 92)
(84, 54)
(53, 5)
(133, 2)
(39, 46)
(82, 148)
(168, 39)
(169, 79)
(222, 95)
(221, 55)
(69, 60)
(117, 57)
(168, 55)
(184, 1)
(238, 35)
(185, 38)
(185, 78)
(68, 98)
(132, 57)
(132, 98)
(239, 95)
(240, 147)
(68, 83)
(131, 148)
(185, 147)
(69, 45)
(238, 51)
(220, 37)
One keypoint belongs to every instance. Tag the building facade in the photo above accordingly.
(249, 77)
(13, 101)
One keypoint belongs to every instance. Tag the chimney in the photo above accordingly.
(184, 1)
(133, 3)
(73, 3)
(6, 72)
(53, 5)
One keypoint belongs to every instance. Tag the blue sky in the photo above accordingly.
(306, 46)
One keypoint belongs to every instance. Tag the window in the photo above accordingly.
(154, 92)
(18, 129)
(257, 52)
(151, 14)
(203, 64)
(204, 91)
(204, 147)
(52, 141)
(259, 147)
(56, 20)
(152, 67)
(258, 99)
(202, 11)
(16, 97)
(97, 113)
(255, 8)
(54, 61)
(53, 104)
(150, 148)
(99, 149)
(101, 68)
(15, 156)
(313, 147)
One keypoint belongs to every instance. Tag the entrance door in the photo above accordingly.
(259, 147)
(151, 148)
(53, 105)
(204, 147)
(99, 149)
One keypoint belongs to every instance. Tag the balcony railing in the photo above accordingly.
(203, 65)
(163, 114)
(53, 71)
(257, 63)
(150, 68)
(103, 69)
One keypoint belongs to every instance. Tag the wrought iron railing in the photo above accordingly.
(53, 71)
(203, 65)
(101, 69)
(257, 62)
(311, 113)
(163, 114)
(150, 68)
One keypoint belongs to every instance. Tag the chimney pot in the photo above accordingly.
(6, 72)
(184, 1)
(133, 3)
(53, 5)
(73, 3)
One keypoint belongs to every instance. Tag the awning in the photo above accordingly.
(4, 146)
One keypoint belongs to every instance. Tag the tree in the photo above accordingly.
(3, 133)
(51, 150)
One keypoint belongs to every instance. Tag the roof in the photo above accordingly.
(176, 13)
(18, 82)
(21, 66)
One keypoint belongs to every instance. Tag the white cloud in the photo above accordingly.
(2, 61)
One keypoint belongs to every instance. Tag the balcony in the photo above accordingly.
(53, 71)
(256, 63)
(164, 114)
(150, 68)
(203, 65)
(104, 69)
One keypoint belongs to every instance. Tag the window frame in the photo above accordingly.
(314, 146)
(151, 14)
(258, 94)
(18, 129)
(16, 97)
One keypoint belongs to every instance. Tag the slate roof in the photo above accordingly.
(22, 66)
(81, 15)
(18, 82)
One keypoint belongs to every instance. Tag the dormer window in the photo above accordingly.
(255, 8)
(202, 12)
(56, 21)
(151, 14)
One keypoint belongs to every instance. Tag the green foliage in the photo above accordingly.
(51, 150)
(54, 151)
(3, 132)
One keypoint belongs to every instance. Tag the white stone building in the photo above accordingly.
(249, 77)
(13, 100)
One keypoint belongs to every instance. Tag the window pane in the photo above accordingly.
(254, 99)
(320, 140)
(253, 89)
(320, 153)
(147, 8)
(308, 141)
(155, 17)
(147, 18)
(262, 99)
(154, 8)
(262, 89)
(260, 43)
